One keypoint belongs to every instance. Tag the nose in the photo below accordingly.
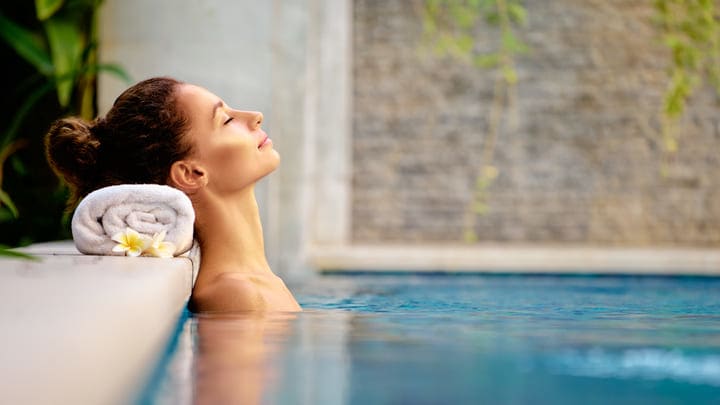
(256, 120)
(253, 118)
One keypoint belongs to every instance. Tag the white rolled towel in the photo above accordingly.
(148, 209)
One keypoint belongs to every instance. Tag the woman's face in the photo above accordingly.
(229, 144)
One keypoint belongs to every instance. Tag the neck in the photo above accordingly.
(230, 233)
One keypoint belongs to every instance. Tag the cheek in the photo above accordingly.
(233, 154)
(232, 162)
(236, 164)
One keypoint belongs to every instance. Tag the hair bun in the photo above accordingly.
(72, 151)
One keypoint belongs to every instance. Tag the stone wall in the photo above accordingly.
(581, 164)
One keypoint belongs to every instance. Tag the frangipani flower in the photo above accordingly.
(158, 248)
(131, 242)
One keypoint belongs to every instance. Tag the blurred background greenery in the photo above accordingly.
(50, 53)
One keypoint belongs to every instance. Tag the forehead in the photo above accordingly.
(197, 100)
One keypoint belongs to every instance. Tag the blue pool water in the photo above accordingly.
(466, 339)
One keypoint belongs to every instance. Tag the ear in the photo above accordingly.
(188, 176)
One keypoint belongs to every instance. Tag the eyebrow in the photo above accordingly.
(215, 108)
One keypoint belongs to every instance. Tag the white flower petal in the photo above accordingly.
(157, 239)
(167, 249)
(134, 252)
(146, 242)
(164, 250)
(119, 238)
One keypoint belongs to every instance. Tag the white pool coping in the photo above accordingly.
(515, 259)
(79, 329)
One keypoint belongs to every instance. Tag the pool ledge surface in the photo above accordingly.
(81, 329)
(508, 258)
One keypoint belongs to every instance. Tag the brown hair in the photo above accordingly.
(135, 143)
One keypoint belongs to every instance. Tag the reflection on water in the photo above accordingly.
(436, 340)
(255, 358)
(232, 353)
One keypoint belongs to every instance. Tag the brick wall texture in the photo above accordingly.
(582, 162)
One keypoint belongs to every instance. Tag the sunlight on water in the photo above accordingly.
(651, 364)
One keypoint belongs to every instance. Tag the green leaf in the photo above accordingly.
(492, 17)
(463, 16)
(5, 215)
(487, 60)
(87, 98)
(481, 184)
(681, 86)
(662, 6)
(8, 252)
(18, 165)
(480, 208)
(509, 74)
(512, 44)
(465, 43)
(27, 44)
(94, 4)
(517, 13)
(432, 5)
(113, 68)
(66, 45)
(5, 199)
(46, 8)
(86, 89)
(488, 4)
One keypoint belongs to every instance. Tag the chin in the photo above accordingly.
(276, 161)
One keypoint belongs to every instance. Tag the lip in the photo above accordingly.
(265, 140)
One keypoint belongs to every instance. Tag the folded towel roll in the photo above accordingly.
(146, 208)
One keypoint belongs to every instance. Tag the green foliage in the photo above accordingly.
(8, 252)
(66, 45)
(46, 8)
(451, 29)
(691, 30)
(5, 199)
(58, 43)
(29, 45)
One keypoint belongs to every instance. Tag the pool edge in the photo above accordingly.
(513, 259)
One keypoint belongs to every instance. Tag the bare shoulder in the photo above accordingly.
(228, 292)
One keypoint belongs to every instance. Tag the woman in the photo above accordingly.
(164, 131)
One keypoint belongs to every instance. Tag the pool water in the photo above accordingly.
(465, 339)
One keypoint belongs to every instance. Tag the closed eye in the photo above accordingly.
(227, 121)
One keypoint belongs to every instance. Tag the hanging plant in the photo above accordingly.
(691, 30)
(450, 29)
